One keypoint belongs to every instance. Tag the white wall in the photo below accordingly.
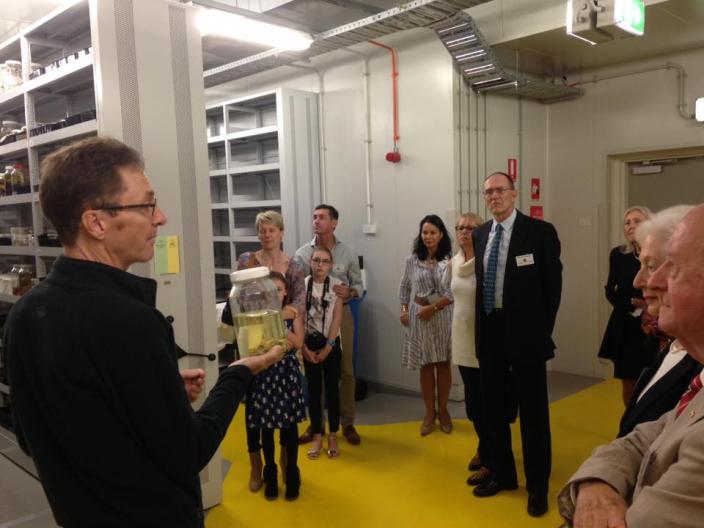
(565, 144)
(618, 116)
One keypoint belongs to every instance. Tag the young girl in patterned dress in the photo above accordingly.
(276, 402)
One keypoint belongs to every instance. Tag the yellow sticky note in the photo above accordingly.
(172, 254)
(167, 258)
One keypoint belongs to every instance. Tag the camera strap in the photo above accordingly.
(323, 300)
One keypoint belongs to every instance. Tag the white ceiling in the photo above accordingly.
(671, 26)
(18, 14)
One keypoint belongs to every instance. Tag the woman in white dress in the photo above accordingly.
(463, 284)
(426, 312)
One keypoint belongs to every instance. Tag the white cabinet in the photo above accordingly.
(54, 103)
(263, 154)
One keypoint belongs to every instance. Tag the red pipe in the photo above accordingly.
(394, 78)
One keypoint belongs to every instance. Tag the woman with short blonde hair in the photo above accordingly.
(624, 341)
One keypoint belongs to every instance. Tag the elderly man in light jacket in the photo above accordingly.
(654, 477)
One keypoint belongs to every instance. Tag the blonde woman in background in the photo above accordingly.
(624, 341)
(270, 232)
(463, 285)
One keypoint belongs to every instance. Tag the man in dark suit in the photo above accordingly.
(519, 283)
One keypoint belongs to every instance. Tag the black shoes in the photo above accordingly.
(351, 434)
(271, 484)
(476, 463)
(480, 477)
(490, 488)
(293, 483)
(537, 504)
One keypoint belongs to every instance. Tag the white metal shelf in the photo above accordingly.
(253, 133)
(12, 100)
(13, 148)
(60, 78)
(222, 271)
(49, 251)
(216, 173)
(251, 169)
(218, 206)
(245, 238)
(62, 134)
(16, 199)
(221, 238)
(5, 388)
(255, 204)
(28, 251)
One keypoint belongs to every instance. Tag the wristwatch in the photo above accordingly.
(331, 342)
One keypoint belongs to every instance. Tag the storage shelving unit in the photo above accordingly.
(263, 155)
(146, 88)
(50, 97)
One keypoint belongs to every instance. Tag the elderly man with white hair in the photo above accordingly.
(661, 384)
(654, 476)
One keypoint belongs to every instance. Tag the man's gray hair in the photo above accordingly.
(662, 224)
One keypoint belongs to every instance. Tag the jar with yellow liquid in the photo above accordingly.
(256, 311)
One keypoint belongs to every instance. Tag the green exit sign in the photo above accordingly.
(629, 15)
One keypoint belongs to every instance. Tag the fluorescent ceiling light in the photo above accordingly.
(229, 25)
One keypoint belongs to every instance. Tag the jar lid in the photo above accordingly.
(249, 274)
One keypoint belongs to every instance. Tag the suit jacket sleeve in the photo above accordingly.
(616, 463)
(610, 287)
(552, 275)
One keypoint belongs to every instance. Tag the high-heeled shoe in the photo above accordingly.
(445, 424)
(314, 452)
(333, 451)
(427, 428)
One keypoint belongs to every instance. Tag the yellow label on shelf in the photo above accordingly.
(167, 258)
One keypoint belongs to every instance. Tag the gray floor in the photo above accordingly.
(22, 500)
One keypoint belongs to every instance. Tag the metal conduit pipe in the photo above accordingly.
(681, 76)
(367, 130)
(321, 128)
(394, 83)
(460, 144)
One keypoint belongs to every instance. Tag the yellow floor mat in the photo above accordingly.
(396, 478)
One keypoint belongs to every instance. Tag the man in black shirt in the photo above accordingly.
(97, 397)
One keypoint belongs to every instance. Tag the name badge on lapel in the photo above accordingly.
(525, 260)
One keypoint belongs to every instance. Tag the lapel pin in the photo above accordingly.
(691, 414)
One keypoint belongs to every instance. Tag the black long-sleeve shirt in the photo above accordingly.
(99, 403)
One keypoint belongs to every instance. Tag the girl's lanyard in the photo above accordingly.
(323, 300)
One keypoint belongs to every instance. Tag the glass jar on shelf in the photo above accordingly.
(19, 179)
(4, 179)
(20, 236)
(25, 274)
(13, 74)
(13, 280)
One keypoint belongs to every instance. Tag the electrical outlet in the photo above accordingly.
(369, 229)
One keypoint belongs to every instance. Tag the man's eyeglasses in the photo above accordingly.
(319, 260)
(150, 206)
(459, 229)
(495, 190)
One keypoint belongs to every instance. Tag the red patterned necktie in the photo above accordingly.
(694, 386)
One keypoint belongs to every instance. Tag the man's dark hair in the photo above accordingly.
(511, 185)
(444, 246)
(334, 214)
(81, 176)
